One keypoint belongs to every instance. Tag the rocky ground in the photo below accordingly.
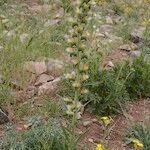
(45, 74)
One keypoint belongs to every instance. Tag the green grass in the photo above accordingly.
(109, 89)
(141, 133)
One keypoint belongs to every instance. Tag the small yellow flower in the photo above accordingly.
(137, 143)
(106, 120)
(99, 147)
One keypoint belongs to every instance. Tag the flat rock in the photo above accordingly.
(87, 123)
(49, 87)
(106, 28)
(137, 35)
(55, 67)
(109, 20)
(43, 78)
(35, 67)
(128, 47)
(3, 117)
(110, 64)
(135, 54)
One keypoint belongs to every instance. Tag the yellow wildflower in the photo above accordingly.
(106, 120)
(137, 143)
(99, 147)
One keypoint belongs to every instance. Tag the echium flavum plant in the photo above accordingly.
(77, 47)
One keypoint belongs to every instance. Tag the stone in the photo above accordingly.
(43, 78)
(137, 35)
(3, 117)
(49, 87)
(114, 39)
(128, 47)
(24, 38)
(110, 64)
(87, 123)
(106, 28)
(55, 67)
(35, 67)
(109, 20)
(91, 140)
(135, 54)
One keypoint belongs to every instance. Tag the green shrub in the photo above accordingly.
(108, 92)
(138, 85)
(2, 2)
(40, 137)
(140, 132)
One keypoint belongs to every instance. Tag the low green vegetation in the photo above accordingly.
(141, 133)
(89, 32)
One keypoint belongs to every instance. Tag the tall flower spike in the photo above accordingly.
(76, 50)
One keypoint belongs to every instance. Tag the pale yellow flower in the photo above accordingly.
(67, 100)
(137, 143)
(84, 67)
(70, 76)
(76, 84)
(106, 120)
(84, 77)
(84, 91)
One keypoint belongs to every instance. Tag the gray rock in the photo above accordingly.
(87, 123)
(135, 54)
(106, 28)
(137, 35)
(128, 47)
(3, 117)
(43, 78)
(49, 87)
(35, 67)
(55, 67)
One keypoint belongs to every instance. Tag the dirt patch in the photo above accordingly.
(138, 111)
(30, 2)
